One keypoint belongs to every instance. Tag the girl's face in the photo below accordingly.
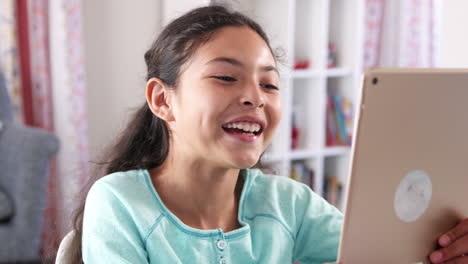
(227, 104)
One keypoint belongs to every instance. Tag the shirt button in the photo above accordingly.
(221, 244)
(222, 261)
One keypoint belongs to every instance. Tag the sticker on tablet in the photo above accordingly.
(413, 196)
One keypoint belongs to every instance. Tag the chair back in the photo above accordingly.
(63, 253)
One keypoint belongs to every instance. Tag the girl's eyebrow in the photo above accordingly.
(237, 63)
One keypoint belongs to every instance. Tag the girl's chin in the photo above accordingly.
(245, 161)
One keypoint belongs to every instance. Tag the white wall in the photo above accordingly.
(172, 9)
(454, 40)
(117, 33)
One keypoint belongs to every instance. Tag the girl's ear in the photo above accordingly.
(157, 97)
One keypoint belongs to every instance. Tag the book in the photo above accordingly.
(302, 173)
(339, 120)
(331, 139)
(347, 109)
(332, 190)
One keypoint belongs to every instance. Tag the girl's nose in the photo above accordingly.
(254, 104)
(253, 98)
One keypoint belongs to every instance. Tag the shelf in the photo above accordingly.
(298, 74)
(336, 151)
(309, 32)
(338, 72)
(303, 154)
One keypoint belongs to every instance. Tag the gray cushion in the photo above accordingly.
(24, 157)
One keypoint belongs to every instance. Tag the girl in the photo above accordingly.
(179, 188)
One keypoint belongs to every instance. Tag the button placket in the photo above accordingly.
(221, 245)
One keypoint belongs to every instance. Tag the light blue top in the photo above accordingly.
(282, 220)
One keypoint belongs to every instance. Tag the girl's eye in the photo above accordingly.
(269, 86)
(225, 78)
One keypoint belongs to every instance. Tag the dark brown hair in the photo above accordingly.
(144, 144)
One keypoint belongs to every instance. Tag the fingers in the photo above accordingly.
(458, 231)
(458, 260)
(454, 250)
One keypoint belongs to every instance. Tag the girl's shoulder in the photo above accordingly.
(129, 192)
(279, 195)
(284, 200)
(119, 179)
(124, 184)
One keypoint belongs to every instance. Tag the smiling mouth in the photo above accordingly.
(243, 128)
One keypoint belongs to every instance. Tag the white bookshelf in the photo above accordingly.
(302, 29)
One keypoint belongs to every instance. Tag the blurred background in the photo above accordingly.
(72, 72)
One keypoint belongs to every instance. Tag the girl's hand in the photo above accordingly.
(454, 245)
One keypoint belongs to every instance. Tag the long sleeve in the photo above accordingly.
(109, 233)
(318, 235)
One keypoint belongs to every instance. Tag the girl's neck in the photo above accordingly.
(201, 196)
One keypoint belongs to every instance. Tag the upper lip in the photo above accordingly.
(250, 119)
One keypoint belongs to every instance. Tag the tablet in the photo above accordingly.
(409, 166)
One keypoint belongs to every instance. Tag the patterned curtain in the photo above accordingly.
(69, 92)
(402, 33)
(9, 61)
(43, 40)
(35, 58)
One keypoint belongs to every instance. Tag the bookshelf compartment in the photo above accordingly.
(342, 86)
(309, 34)
(306, 114)
(340, 110)
(304, 171)
(336, 171)
(339, 36)
(337, 166)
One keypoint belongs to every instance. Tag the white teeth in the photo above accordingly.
(247, 127)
